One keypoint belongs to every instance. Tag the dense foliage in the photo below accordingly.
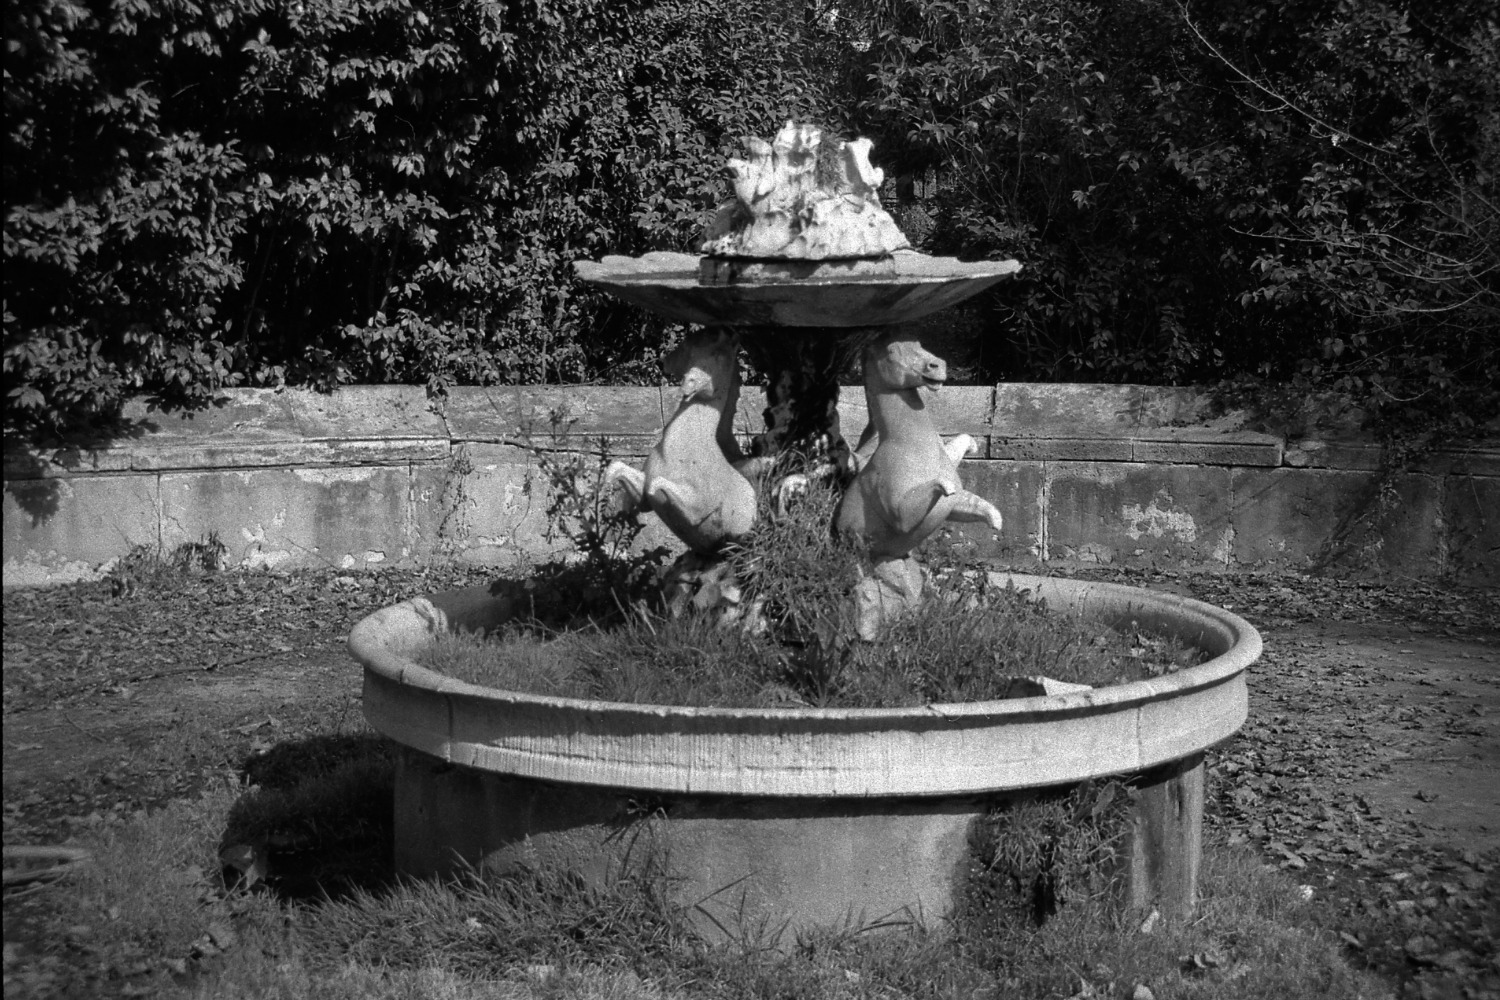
(322, 191)
(1302, 192)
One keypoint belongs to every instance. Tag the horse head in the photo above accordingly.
(704, 365)
(897, 362)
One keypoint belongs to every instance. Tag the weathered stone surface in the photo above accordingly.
(1320, 517)
(1206, 446)
(1025, 409)
(1016, 489)
(1316, 453)
(1477, 461)
(489, 507)
(491, 504)
(377, 412)
(64, 518)
(335, 517)
(1117, 512)
(1062, 449)
(241, 455)
(59, 530)
(543, 414)
(1471, 512)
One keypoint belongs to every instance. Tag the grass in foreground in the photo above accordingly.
(153, 917)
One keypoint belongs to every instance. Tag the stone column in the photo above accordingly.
(1166, 840)
(802, 366)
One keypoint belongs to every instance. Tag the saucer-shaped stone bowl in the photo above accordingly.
(809, 815)
(668, 284)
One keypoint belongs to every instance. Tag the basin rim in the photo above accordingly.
(931, 750)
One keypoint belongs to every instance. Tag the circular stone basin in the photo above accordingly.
(668, 285)
(812, 815)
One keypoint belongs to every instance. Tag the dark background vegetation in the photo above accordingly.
(1275, 198)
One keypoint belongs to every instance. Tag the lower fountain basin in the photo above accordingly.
(811, 815)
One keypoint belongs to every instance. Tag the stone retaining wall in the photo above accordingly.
(372, 475)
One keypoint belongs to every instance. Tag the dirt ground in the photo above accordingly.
(1368, 768)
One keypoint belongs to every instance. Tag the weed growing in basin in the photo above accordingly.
(608, 571)
(969, 641)
(154, 910)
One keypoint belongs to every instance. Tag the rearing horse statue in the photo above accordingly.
(909, 484)
(689, 481)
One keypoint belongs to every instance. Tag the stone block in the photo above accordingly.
(561, 414)
(1316, 453)
(1319, 518)
(241, 427)
(371, 412)
(261, 428)
(1117, 512)
(1476, 461)
(1206, 446)
(489, 507)
(1062, 449)
(344, 518)
(1471, 513)
(962, 409)
(1015, 488)
(62, 529)
(1089, 411)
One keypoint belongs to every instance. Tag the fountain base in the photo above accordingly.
(742, 862)
(808, 815)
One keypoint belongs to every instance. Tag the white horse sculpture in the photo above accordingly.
(689, 480)
(909, 483)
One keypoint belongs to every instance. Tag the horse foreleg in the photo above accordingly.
(629, 484)
(916, 503)
(971, 507)
(958, 447)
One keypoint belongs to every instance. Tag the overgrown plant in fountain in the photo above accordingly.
(593, 628)
(606, 571)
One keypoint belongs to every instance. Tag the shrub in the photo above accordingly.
(250, 193)
(1306, 194)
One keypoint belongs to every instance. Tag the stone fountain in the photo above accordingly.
(805, 269)
(807, 815)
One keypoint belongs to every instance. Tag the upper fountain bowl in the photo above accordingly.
(669, 284)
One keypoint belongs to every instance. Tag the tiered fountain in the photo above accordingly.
(812, 815)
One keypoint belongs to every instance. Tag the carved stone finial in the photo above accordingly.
(804, 196)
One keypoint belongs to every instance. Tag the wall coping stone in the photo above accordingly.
(394, 425)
